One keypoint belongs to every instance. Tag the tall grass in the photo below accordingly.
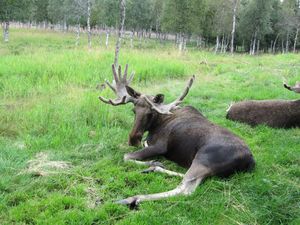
(49, 103)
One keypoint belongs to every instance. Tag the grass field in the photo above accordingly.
(49, 105)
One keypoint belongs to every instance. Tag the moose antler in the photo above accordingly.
(118, 86)
(296, 88)
(166, 109)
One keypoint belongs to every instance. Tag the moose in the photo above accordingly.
(180, 134)
(273, 113)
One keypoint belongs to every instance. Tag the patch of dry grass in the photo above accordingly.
(41, 165)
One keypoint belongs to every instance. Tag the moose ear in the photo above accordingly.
(158, 99)
(132, 92)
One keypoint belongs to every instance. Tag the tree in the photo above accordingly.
(177, 18)
(12, 10)
(235, 5)
(120, 31)
(157, 15)
(40, 11)
(255, 22)
(139, 14)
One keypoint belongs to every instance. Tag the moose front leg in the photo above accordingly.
(145, 153)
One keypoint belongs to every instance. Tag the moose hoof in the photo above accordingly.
(132, 202)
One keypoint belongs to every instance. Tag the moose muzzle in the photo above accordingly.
(135, 139)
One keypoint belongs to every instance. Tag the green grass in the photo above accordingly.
(49, 103)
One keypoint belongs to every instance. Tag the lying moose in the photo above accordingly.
(273, 113)
(182, 135)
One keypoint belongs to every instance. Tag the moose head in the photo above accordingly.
(147, 109)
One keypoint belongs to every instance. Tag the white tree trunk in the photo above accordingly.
(180, 46)
(258, 43)
(222, 44)
(6, 31)
(184, 43)
(296, 39)
(65, 24)
(274, 44)
(100, 42)
(131, 40)
(198, 42)
(107, 38)
(77, 33)
(217, 45)
(287, 42)
(226, 44)
(253, 46)
(120, 31)
(89, 23)
(156, 28)
(271, 47)
(282, 46)
(233, 26)
(140, 39)
(254, 43)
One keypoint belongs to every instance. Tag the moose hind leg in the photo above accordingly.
(191, 180)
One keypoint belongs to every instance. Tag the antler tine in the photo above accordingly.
(125, 72)
(115, 73)
(118, 86)
(112, 102)
(186, 90)
(120, 72)
(123, 101)
(157, 108)
(104, 100)
(110, 86)
(166, 109)
(286, 86)
(131, 78)
(295, 89)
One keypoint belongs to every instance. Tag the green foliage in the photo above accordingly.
(256, 17)
(48, 103)
(177, 16)
(262, 21)
(14, 10)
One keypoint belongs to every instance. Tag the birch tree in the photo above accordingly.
(255, 22)
(235, 5)
(13, 10)
(177, 18)
(120, 31)
(89, 23)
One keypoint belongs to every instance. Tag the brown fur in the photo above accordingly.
(273, 113)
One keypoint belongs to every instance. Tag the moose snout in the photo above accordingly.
(135, 140)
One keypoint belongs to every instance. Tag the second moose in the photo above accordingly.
(273, 113)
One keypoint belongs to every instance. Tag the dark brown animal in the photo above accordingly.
(182, 135)
(273, 113)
